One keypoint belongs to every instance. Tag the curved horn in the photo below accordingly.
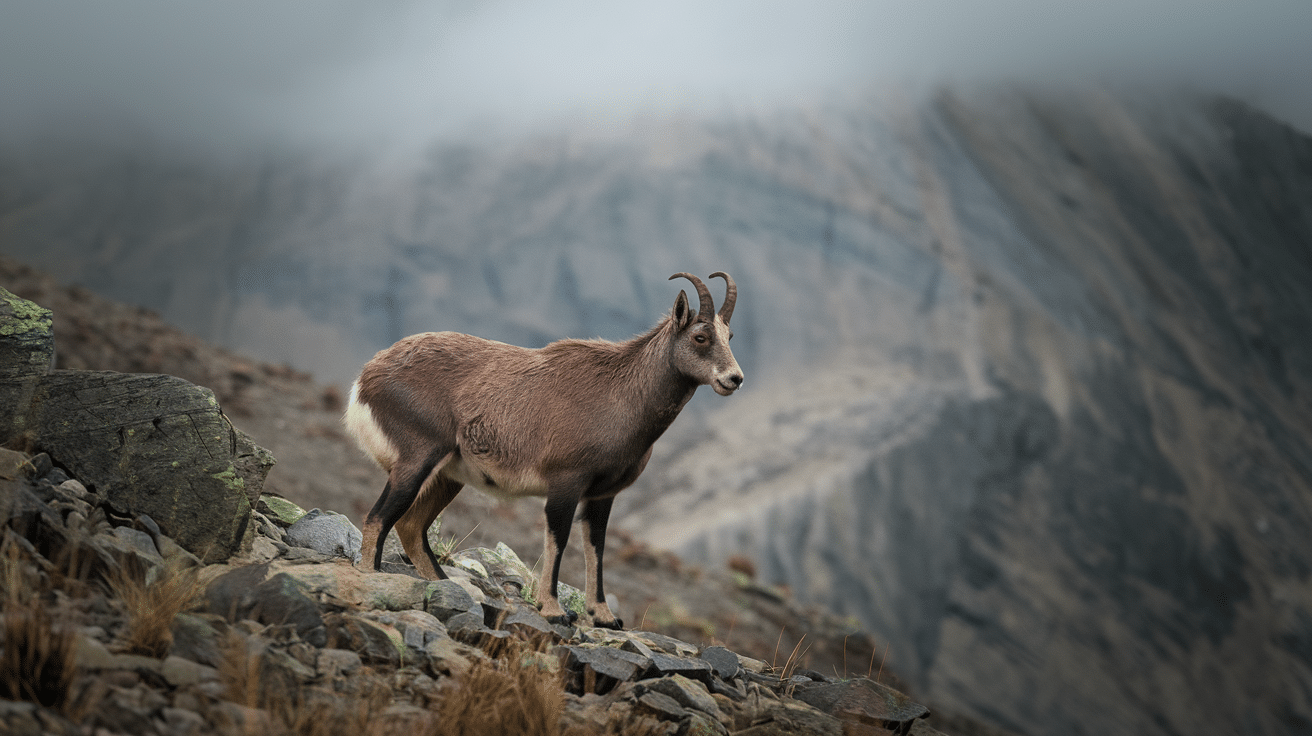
(706, 307)
(730, 296)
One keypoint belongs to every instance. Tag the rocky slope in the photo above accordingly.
(259, 639)
(109, 625)
(1026, 389)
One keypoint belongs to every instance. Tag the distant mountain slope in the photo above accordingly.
(1027, 383)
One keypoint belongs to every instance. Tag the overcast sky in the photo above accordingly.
(238, 70)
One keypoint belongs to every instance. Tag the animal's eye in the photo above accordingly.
(700, 338)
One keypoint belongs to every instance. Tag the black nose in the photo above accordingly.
(735, 379)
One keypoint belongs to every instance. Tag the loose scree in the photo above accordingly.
(573, 421)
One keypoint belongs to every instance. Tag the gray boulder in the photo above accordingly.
(328, 533)
(139, 440)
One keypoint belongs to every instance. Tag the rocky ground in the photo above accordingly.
(287, 638)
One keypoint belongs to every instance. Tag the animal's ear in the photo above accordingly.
(682, 315)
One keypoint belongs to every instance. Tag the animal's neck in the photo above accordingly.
(651, 384)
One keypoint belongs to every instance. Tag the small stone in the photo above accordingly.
(662, 706)
(417, 627)
(572, 599)
(14, 464)
(262, 550)
(501, 564)
(700, 724)
(732, 690)
(637, 647)
(465, 621)
(688, 693)
(666, 644)
(334, 662)
(41, 465)
(724, 661)
(525, 620)
(139, 541)
(327, 533)
(448, 657)
(181, 672)
(55, 477)
(376, 643)
(232, 717)
(92, 655)
(280, 510)
(448, 598)
(473, 566)
(179, 721)
(19, 718)
(664, 665)
(282, 599)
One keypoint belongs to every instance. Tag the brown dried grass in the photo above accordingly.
(40, 659)
(152, 606)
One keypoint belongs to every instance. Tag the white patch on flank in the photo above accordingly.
(359, 421)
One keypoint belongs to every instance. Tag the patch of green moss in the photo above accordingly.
(285, 510)
(24, 316)
(230, 479)
(572, 599)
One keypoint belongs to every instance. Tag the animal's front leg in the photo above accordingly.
(560, 515)
(595, 515)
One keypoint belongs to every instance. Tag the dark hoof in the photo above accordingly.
(616, 625)
(567, 620)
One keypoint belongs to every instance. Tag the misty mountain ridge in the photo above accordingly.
(1027, 383)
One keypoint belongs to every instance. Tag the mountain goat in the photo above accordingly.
(573, 421)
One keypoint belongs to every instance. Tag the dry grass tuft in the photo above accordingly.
(517, 693)
(21, 578)
(152, 606)
(40, 659)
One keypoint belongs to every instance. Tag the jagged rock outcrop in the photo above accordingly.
(148, 444)
(27, 353)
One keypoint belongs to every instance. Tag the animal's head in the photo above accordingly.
(701, 343)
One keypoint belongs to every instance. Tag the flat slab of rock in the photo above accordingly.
(138, 439)
(664, 665)
(863, 701)
(600, 669)
(688, 693)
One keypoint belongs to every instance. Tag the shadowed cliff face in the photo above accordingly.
(1027, 383)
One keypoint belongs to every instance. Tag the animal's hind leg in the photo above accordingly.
(403, 483)
(595, 515)
(413, 526)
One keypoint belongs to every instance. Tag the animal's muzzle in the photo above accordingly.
(725, 385)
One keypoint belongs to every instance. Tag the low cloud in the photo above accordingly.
(243, 71)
